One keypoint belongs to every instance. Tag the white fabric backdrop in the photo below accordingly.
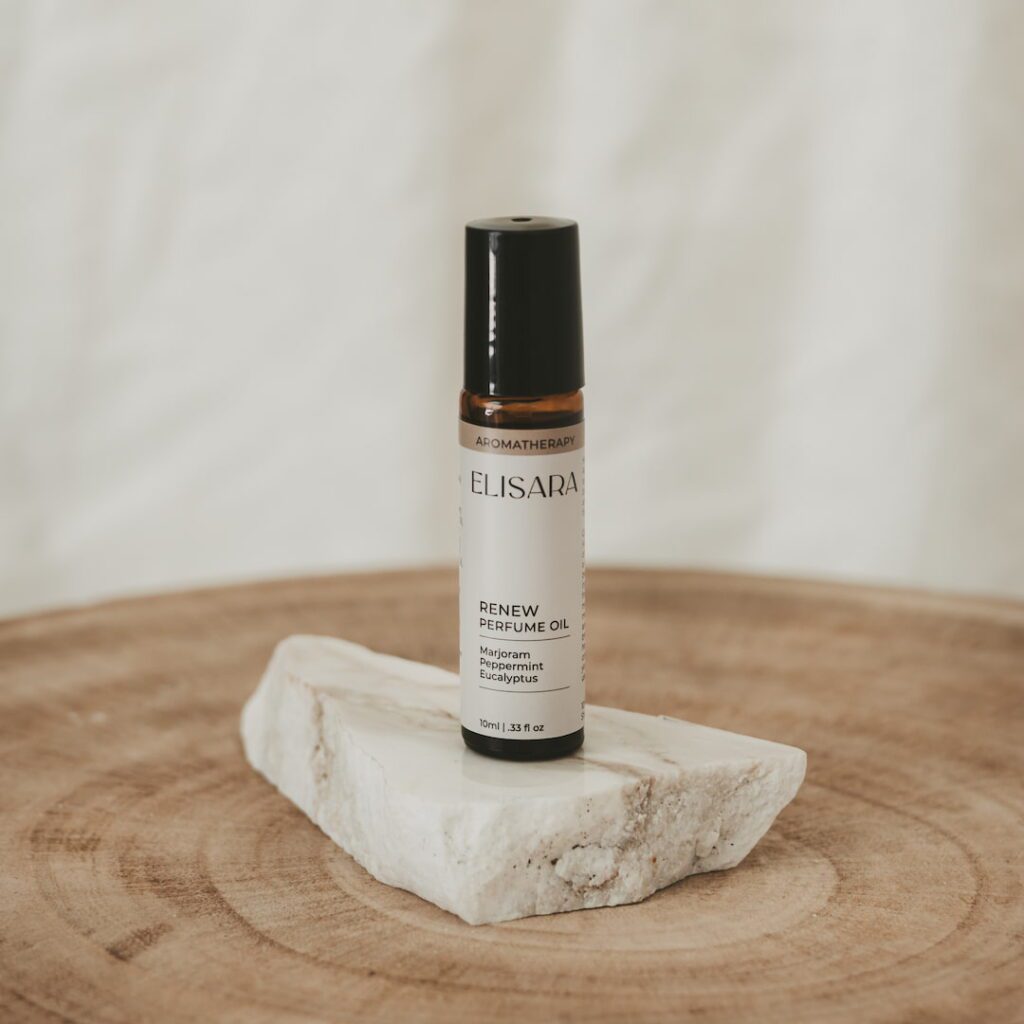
(230, 281)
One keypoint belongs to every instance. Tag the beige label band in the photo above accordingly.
(520, 442)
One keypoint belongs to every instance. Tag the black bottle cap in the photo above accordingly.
(524, 320)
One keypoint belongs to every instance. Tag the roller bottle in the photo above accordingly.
(521, 575)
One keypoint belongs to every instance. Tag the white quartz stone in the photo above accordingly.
(369, 747)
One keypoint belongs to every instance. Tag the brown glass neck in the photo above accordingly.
(521, 413)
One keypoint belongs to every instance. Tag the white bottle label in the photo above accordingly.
(521, 581)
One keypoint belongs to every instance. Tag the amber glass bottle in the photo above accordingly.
(521, 437)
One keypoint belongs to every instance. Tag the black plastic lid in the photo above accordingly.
(524, 319)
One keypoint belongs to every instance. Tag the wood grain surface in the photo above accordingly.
(147, 874)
